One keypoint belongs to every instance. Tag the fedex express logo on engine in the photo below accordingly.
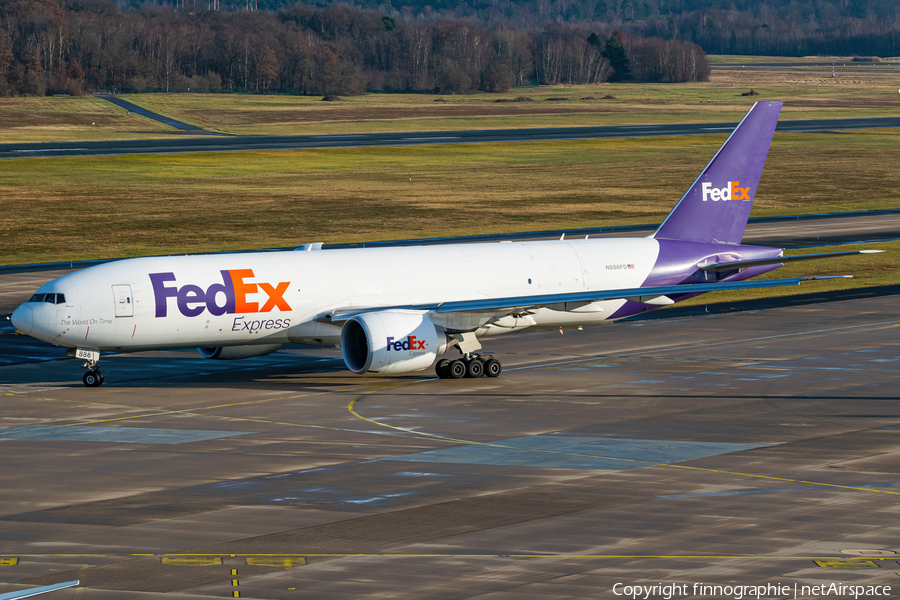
(732, 191)
(228, 297)
(410, 343)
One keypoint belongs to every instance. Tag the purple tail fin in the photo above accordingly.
(716, 207)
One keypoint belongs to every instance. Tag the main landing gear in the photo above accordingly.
(472, 365)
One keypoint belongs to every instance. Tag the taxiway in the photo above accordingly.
(753, 447)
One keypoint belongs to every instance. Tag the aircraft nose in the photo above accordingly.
(23, 319)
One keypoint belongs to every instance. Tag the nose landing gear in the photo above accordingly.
(93, 378)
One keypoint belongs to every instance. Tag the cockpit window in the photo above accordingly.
(51, 298)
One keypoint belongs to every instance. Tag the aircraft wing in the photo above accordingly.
(38, 590)
(525, 302)
(632, 293)
(778, 260)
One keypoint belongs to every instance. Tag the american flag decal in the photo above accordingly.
(630, 265)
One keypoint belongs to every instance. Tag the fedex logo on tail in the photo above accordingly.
(228, 297)
(732, 191)
(410, 343)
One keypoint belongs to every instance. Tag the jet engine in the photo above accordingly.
(235, 352)
(391, 341)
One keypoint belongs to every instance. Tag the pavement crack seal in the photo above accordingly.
(352, 409)
(435, 436)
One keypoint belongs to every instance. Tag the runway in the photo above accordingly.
(297, 142)
(748, 448)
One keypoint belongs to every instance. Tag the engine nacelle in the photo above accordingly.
(391, 341)
(235, 352)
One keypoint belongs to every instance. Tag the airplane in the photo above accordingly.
(38, 590)
(396, 310)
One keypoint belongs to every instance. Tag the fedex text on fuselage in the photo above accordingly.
(228, 297)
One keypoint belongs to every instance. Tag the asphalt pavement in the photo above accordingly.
(411, 138)
(138, 110)
(733, 449)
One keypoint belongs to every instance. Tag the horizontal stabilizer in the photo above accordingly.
(778, 260)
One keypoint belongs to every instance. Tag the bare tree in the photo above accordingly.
(516, 49)
(268, 68)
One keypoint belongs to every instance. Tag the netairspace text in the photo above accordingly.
(741, 592)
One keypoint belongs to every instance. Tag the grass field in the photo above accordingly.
(74, 208)
(807, 95)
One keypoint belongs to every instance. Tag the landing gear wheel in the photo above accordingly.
(475, 368)
(93, 379)
(456, 369)
(442, 368)
(492, 368)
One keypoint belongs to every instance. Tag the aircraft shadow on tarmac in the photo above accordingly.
(161, 369)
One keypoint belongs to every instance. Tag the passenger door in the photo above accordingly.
(123, 300)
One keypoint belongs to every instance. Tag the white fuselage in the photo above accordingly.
(115, 306)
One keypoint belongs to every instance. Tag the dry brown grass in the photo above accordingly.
(817, 90)
(807, 94)
(71, 119)
(810, 93)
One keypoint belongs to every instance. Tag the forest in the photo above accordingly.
(444, 47)
(76, 46)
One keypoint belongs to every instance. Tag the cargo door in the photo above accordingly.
(124, 302)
